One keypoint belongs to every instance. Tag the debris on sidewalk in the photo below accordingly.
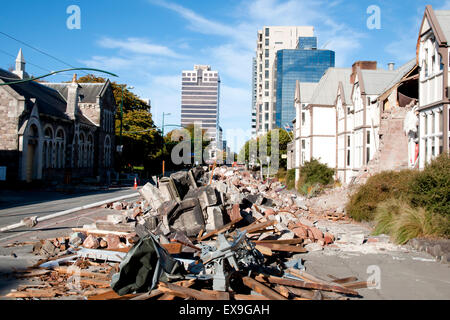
(215, 234)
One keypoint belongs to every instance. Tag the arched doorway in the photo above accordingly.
(32, 155)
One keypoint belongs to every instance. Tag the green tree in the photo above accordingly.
(142, 141)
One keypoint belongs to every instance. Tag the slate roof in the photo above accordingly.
(88, 92)
(443, 17)
(325, 92)
(49, 100)
(306, 91)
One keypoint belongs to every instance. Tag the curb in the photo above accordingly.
(62, 213)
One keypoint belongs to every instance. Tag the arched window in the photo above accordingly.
(107, 151)
(60, 148)
(81, 152)
(90, 150)
(47, 151)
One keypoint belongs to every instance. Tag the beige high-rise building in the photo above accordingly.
(269, 41)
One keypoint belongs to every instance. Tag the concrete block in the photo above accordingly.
(91, 242)
(153, 195)
(168, 189)
(214, 218)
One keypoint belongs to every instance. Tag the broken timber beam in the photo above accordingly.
(283, 247)
(183, 292)
(262, 289)
(305, 285)
(221, 230)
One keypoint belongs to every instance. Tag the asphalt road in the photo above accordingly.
(15, 206)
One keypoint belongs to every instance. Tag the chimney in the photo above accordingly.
(72, 98)
(20, 66)
(363, 65)
(391, 66)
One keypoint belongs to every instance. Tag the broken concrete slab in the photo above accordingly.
(214, 218)
(168, 189)
(153, 195)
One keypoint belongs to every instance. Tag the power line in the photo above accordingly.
(36, 49)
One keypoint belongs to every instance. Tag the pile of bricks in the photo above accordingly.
(196, 214)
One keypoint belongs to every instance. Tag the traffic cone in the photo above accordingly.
(135, 184)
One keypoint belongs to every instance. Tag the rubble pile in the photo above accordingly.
(204, 234)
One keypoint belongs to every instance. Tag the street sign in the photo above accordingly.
(2, 173)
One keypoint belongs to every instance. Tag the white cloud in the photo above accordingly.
(138, 46)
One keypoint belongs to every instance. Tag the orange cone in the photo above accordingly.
(135, 184)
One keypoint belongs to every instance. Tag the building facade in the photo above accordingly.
(306, 64)
(55, 132)
(269, 41)
(200, 101)
(433, 60)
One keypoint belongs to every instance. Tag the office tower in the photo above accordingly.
(200, 100)
(305, 63)
(254, 96)
(269, 41)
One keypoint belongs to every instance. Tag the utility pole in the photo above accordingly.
(164, 114)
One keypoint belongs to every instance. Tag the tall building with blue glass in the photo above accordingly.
(305, 63)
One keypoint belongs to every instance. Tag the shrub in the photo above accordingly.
(403, 222)
(281, 174)
(385, 215)
(290, 179)
(314, 175)
(378, 188)
(431, 187)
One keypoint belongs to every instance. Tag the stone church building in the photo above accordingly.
(55, 132)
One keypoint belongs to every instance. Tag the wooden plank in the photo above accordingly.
(356, 285)
(311, 278)
(284, 247)
(249, 297)
(182, 292)
(220, 295)
(282, 290)
(264, 250)
(221, 230)
(188, 245)
(305, 285)
(262, 289)
(110, 295)
(186, 284)
(33, 273)
(82, 273)
(95, 282)
(259, 226)
(342, 280)
(36, 293)
(148, 295)
(109, 226)
(172, 248)
(303, 293)
(285, 241)
(101, 232)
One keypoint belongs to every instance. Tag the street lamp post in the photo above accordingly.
(164, 114)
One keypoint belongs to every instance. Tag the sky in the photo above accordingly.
(147, 43)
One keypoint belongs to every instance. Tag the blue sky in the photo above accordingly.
(148, 42)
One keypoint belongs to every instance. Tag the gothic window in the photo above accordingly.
(107, 151)
(60, 148)
(81, 152)
(47, 151)
(90, 151)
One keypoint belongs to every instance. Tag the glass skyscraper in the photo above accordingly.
(306, 64)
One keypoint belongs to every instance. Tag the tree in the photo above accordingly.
(284, 138)
(142, 141)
